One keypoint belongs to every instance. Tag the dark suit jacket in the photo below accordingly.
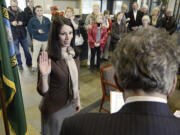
(60, 87)
(137, 118)
(169, 23)
(133, 22)
(28, 13)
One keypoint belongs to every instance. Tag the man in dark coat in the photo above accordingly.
(29, 11)
(169, 22)
(145, 71)
(18, 23)
(135, 17)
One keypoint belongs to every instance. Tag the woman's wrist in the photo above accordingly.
(45, 76)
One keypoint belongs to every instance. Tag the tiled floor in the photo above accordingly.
(90, 92)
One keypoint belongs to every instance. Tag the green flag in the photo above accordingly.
(9, 77)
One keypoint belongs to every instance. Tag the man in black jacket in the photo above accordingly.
(18, 24)
(169, 22)
(145, 71)
(135, 17)
(29, 11)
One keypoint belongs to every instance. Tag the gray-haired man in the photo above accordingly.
(146, 63)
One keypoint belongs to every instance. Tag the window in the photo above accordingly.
(117, 6)
(21, 4)
(88, 4)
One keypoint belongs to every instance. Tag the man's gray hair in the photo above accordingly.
(146, 60)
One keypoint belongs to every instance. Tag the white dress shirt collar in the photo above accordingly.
(145, 98)
(135, 14)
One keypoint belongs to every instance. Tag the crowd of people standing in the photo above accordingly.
(103, 33)
(55, 49)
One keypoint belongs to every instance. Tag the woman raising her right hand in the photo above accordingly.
(58, 77)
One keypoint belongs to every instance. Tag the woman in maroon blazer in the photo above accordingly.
(58, 77)
(97, 37)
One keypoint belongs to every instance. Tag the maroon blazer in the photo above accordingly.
(92, 36)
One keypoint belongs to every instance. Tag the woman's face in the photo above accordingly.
(31, 3)
(106, 16)
(65, 35)
(69, 13)
(119, 17)
(145, 22)
(95, 10)
(124, 9)
(99, 19)
(155, 13)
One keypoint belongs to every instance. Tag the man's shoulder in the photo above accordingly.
(130, 12)
(140, 12)
(82, 123)
(98, 123)
(46, 18)
(34, 18)
(26, 8)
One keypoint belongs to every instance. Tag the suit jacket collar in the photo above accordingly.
(138, 14)
(146, 108)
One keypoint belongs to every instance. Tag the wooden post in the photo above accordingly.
(4, 112)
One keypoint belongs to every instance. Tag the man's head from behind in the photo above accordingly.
(146, 61)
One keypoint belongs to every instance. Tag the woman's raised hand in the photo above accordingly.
(44, 64)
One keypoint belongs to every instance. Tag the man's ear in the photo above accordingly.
(115, 79)
(173, 87)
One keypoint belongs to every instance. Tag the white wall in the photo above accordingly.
(104, 5)
(87, 5)
(117, 6)
(46, 4)
(21, 3)
(63, 4)
(171, 4)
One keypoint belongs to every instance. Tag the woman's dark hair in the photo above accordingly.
(54, 47)
(116, 16)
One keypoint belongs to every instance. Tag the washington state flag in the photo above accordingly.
(9, 78)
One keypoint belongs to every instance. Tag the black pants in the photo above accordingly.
(93, 53)
(113, 45)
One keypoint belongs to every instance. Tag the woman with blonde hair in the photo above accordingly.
(145, 22)
(155, 18)
(124, 8)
